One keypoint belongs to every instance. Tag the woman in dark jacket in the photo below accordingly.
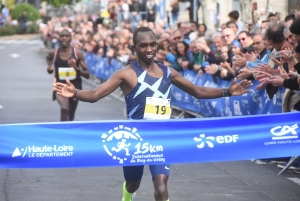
(183, 56)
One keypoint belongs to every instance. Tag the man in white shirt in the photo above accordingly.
(234, 17)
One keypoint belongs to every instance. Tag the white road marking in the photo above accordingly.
(1, 107)
(14, 55)
(295, 180)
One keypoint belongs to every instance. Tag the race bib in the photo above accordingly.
(64, 73)
(157, 108)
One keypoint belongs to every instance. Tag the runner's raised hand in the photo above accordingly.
(237, 89)
(66, 90)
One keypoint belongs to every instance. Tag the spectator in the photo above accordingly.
(264, 25)
(185, 29)
(289, 19)
(124, 9)
(192, 9)
(236, 48)
(134, 10)
(143, 8)
(151, 10)
(194, 26)
(23, 21)
(289, 37)
(224, 52)
(272, 17)
(5, 12)
(2, 20)
(276, 38)
(295, 29)
(174, 4)
(245, 39)
(177, 36)
(183, 55)
(255, 22)
(259, 46)
(234, 17)
(218, 43)
(229, 37)
(233, 26)
(202, 28)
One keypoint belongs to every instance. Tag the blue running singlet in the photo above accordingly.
(147, 86)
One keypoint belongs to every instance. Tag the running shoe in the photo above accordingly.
(133, 196)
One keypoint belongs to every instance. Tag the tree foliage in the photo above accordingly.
(32, 13)
(59, 3)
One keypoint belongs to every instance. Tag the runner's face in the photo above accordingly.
(146, 46)
(65, 38)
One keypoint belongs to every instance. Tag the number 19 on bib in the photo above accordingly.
(157, 108)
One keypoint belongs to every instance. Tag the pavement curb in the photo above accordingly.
(21, 37)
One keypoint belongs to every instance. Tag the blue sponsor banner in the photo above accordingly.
(102, 67)
(256, 102)
(253, 103)
(140, 142)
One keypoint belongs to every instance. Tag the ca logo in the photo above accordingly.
(283, 130)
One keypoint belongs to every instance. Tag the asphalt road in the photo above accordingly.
(25, 97)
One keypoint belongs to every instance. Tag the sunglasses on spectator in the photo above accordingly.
(241, 39)
(177, 38)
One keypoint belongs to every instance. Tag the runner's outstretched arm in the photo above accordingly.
(68, 90)
(208, 92)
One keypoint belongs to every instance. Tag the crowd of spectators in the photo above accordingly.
(266, 50)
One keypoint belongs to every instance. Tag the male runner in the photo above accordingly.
(144, 82)
(66, 62)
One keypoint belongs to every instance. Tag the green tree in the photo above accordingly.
(59, 3)
(32, 13)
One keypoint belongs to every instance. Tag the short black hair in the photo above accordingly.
(265, 21)
(290, 17)
(194, 22)
(245, 32)
(297, 49)
(65, 30)
(275, 32)
(141, 30)
(295, 27)
(271, 15)
(234, 14)
(229, 23)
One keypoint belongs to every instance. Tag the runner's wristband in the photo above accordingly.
(225, 92)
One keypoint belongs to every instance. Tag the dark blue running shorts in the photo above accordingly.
(135, 173)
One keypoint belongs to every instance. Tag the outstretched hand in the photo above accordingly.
(66, 90)
(237, 89)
